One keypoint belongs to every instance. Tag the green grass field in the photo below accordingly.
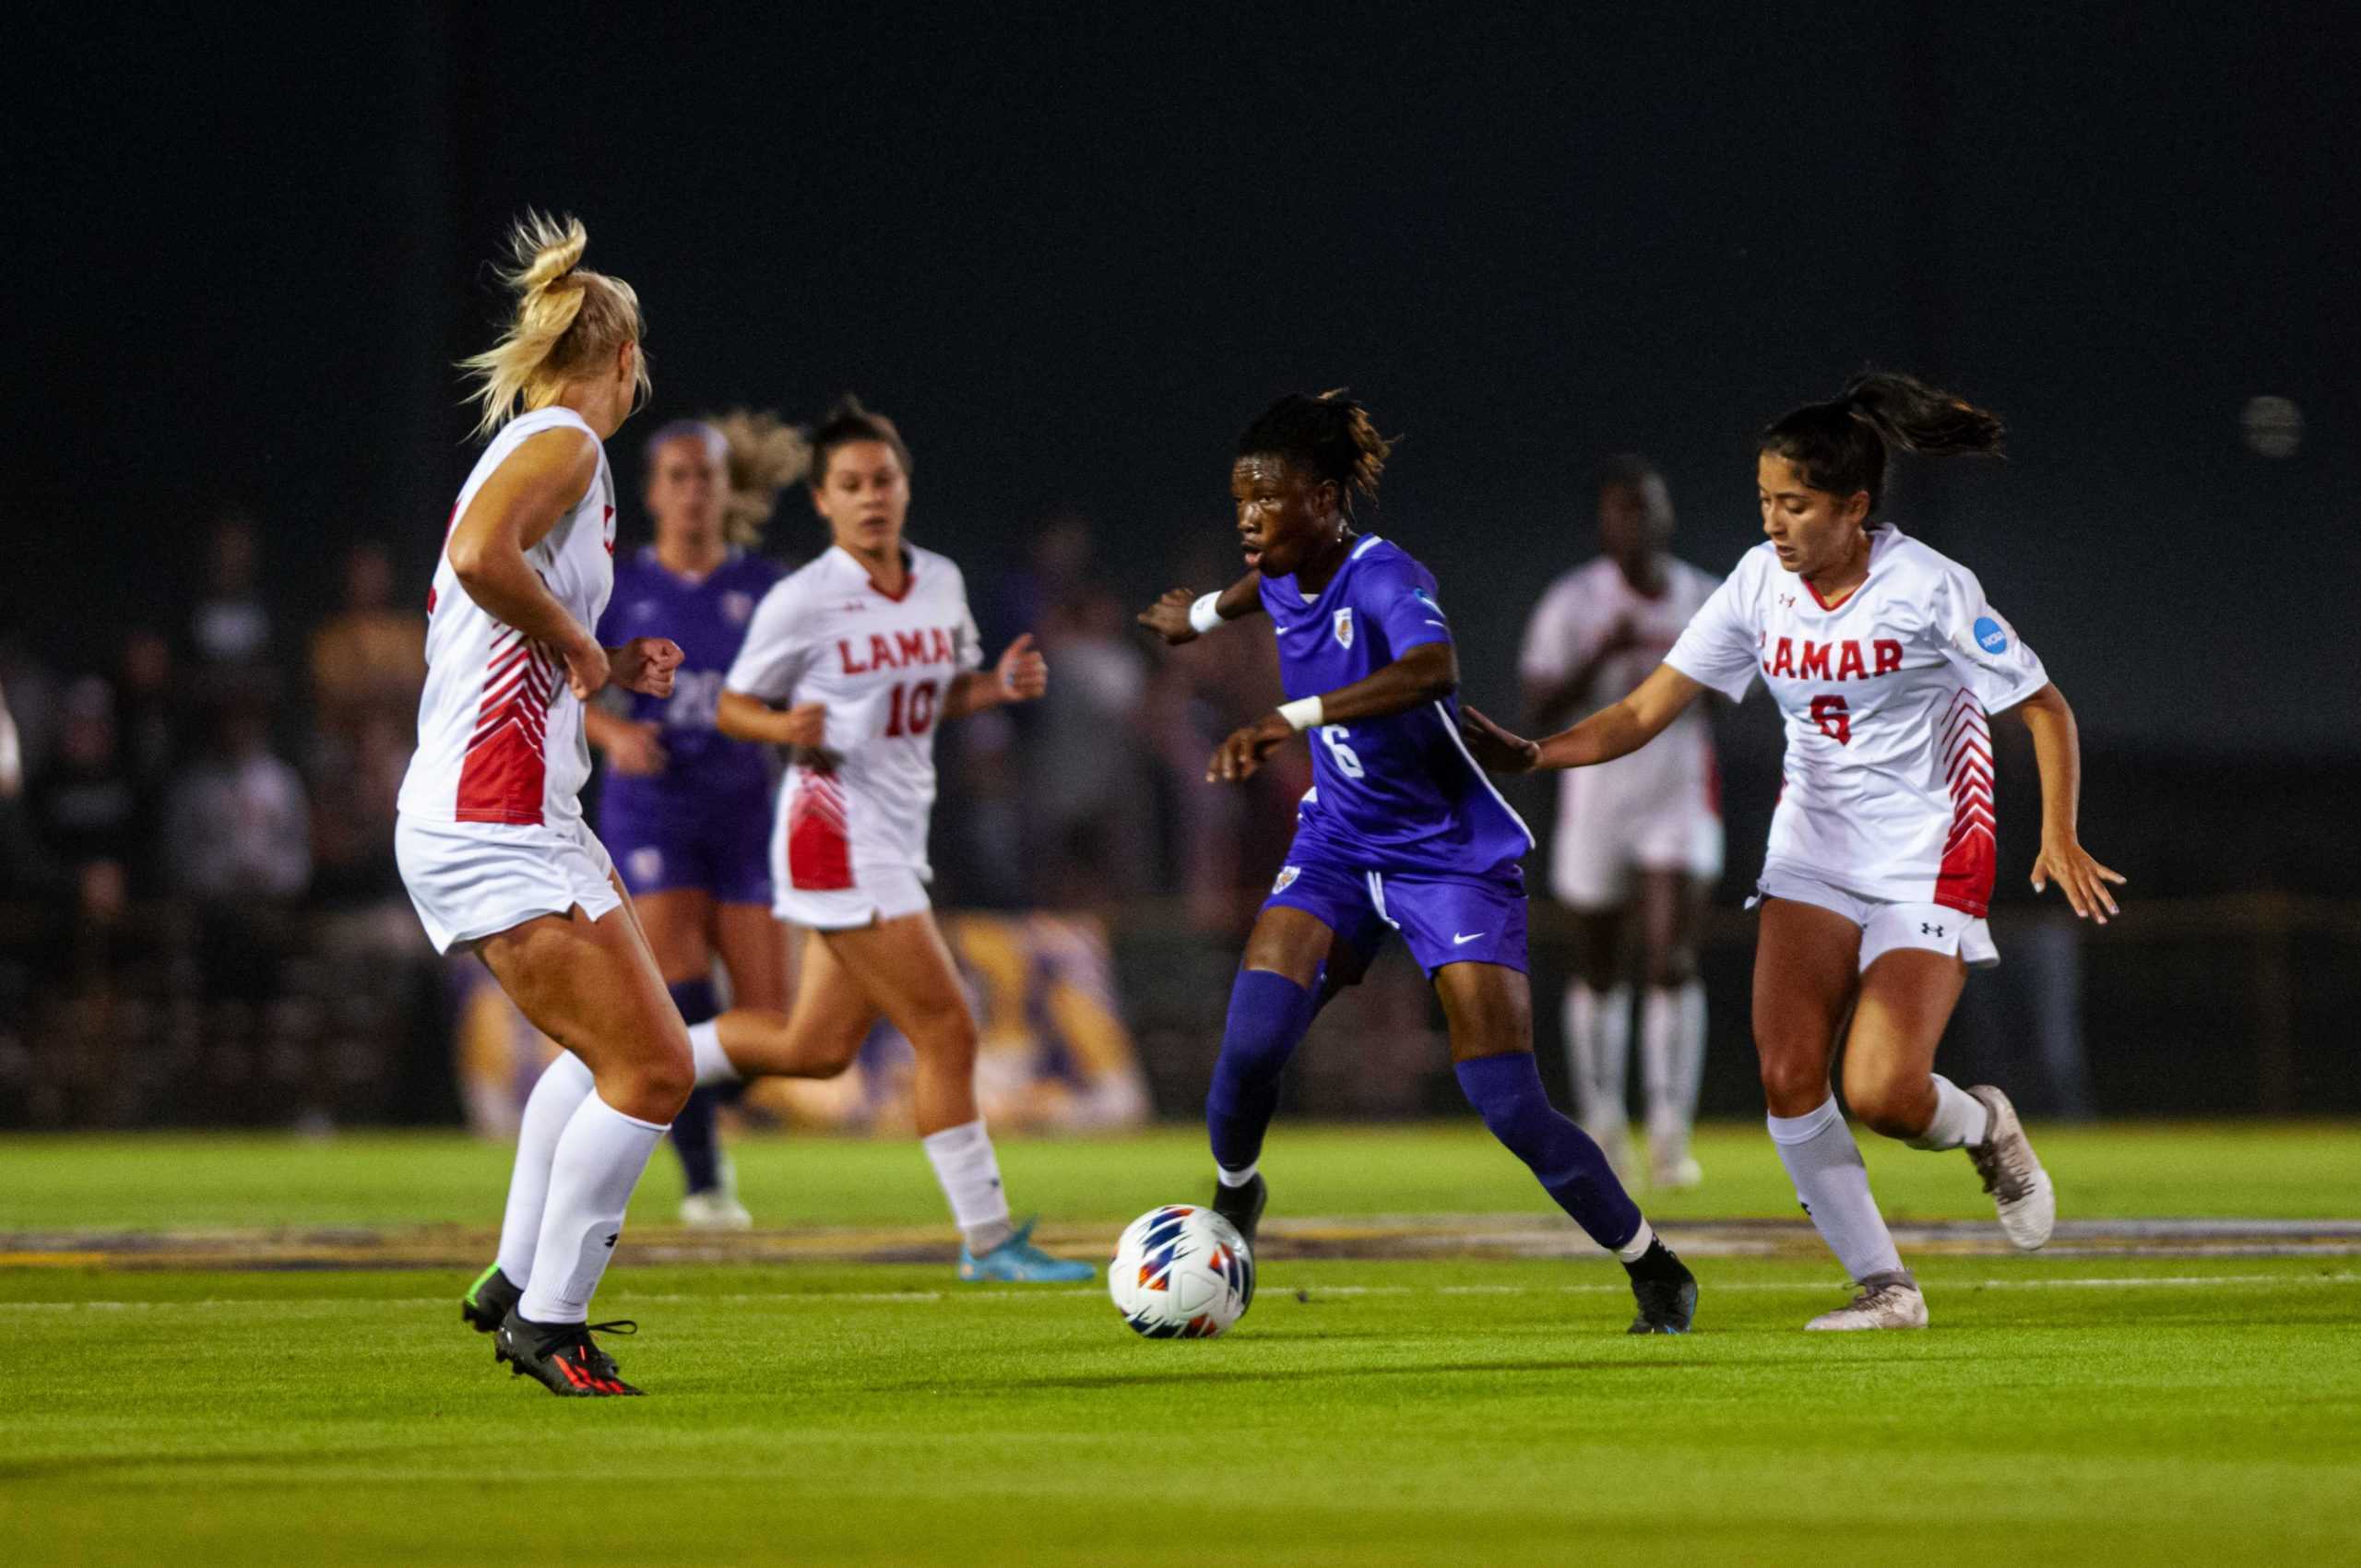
(2172, 1402)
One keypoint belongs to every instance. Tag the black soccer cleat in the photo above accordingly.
(562, 1357)
(1242, 1207)
(1665, 1290)
(489, 1299)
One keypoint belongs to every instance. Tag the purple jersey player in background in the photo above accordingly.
(1401, 832)
(685, 810)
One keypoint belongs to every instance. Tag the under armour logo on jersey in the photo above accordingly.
(1787, 601)
(610, 1239)
(1344, 628)
(1927, 929)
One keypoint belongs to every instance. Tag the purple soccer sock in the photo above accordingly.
(1268, 1014)
(695, 1137)
(1572, 1169)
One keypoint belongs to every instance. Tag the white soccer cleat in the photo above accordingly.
(717, 1208)
(2012, 1174)
(1888, 1301)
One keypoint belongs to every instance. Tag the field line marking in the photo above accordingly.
(2180, 1281)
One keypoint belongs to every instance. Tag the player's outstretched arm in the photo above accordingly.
(1181, 616)
(1613, 731)
(1021, 675)
(1429, 672)
(743, 717)
(2058, 748)
(631, 745)
(513, 511)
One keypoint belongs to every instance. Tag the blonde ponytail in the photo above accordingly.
(765, 456)
(568, 319)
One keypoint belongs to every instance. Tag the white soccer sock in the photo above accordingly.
(556, 1095)
(969, 1172)
(712, 1063)
(1672, 1060)
(1833, 1186)
(1960, 1119)
(598, 1160)
(1599, 1041)
(1239, 1178)
(1637, 1247)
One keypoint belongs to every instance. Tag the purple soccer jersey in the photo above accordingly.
(1401, 831)
(704, 821)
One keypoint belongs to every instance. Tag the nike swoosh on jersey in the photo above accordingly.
(1458, 941)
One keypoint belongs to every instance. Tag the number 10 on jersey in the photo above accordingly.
(912, 710)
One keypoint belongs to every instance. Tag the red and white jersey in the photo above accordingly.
(1887, 788)
(1575, 617)
(499, 731)
(881, 664)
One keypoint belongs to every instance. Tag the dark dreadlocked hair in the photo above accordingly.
(1331, 435)
(1841, 446)
(850, 421)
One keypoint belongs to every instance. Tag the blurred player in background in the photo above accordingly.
(685, 810)
(869, 647)
(1885, 658)
(491, 838)
(1639, 840)
(1400, 832)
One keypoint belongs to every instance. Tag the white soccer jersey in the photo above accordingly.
(881, 664)
(1572, 622)
(1888, 785)
(499, 731)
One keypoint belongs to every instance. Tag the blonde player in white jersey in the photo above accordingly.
(1639, 840)
(491, 839)
(851, 663)
(1885, 659)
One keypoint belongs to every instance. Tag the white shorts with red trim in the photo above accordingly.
(1602, 842)
(471, 880)
(882, 894)
(1885, 925)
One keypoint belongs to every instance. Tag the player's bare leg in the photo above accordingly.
(593, 987)
(1806, 975)
(902, 969)
(1890, 1079)
(817, 1038)
(1599, 1031)
(1489, 1010)
(1672, 1021)
(678, 925)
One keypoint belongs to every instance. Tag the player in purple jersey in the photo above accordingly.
(1401, 831)
(685, 810)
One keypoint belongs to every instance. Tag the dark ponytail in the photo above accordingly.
(1331, 435)
(1841, 446)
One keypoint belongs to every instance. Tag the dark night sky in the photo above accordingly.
(1073, 254)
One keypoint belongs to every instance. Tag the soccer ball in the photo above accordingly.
(1182, 1271)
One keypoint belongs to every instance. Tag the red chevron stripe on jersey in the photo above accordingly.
(1971, 854)
(819, 851)
(502, 774)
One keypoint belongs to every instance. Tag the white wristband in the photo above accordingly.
(1205, 614)
(1302, 714)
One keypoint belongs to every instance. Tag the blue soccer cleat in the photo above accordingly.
(1019, 1261)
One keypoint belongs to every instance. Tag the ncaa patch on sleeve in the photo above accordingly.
(1990, 636)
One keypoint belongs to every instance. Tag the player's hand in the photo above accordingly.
(587, 669)
(638, 750)
(1494, 749)
(806, 726)
(1024, 673)
(1240, 757)
(646, 665)
(2081, 878)
(1169, 617)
